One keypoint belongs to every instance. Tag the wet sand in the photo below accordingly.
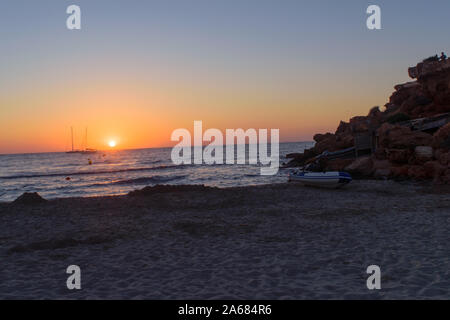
(267, 242)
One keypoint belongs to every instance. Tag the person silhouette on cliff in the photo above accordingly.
(443, 56)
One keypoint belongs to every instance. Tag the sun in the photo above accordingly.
(112, 143)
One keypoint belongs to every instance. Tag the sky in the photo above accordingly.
(139, 69)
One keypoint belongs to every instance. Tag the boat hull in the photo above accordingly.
(82, 152)
(321, 179)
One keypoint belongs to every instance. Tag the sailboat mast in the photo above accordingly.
(86, 146)
(71, 131)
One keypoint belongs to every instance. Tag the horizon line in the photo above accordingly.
(128, 149)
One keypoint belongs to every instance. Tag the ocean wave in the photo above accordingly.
(147, 180)
(77, 173)
(152, 161)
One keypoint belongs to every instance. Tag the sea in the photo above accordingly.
(105, 173)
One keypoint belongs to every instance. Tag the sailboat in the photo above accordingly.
(83, 151)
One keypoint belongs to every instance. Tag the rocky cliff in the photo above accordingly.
(411, 137)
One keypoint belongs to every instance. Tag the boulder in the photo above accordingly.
(380, 154)
(441, 139)
(321, 137)
(411, 107)
(434, 82)
(361, 167)
(443, 158)
(434, 169)
(344, 141)
(445, 177)
(427, 69)
(400, 172)
(405, 94)
(390, 110)
(328, 143)
(382, 173)
(343, 128)
(437, 86)
(398, 156)
(417, 172)
(337, 164)
(374, 112)
(301, 158)
(381, 164)
(359, 124)
(401, 137)
(412, 72)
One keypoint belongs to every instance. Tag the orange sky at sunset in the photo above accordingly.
(135, 73)
(139, 115)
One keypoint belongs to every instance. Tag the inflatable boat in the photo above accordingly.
(321, 179)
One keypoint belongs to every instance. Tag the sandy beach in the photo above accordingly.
(280, 241)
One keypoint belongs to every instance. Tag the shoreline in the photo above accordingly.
(279, 241)
(426, 186)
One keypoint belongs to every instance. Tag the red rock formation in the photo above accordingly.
(398, 156)
(445, 178)
(361, 167)
(417, 172)
(337, 164)
(401, 152)
(400, 172)
(441, 139)
(434, 80)
(325, 142)
(401, 137)
(343, 129)
(434, 170)
(443, 158)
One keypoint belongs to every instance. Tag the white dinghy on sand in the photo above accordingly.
(321, 179)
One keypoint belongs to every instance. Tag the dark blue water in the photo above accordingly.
(118, 172)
